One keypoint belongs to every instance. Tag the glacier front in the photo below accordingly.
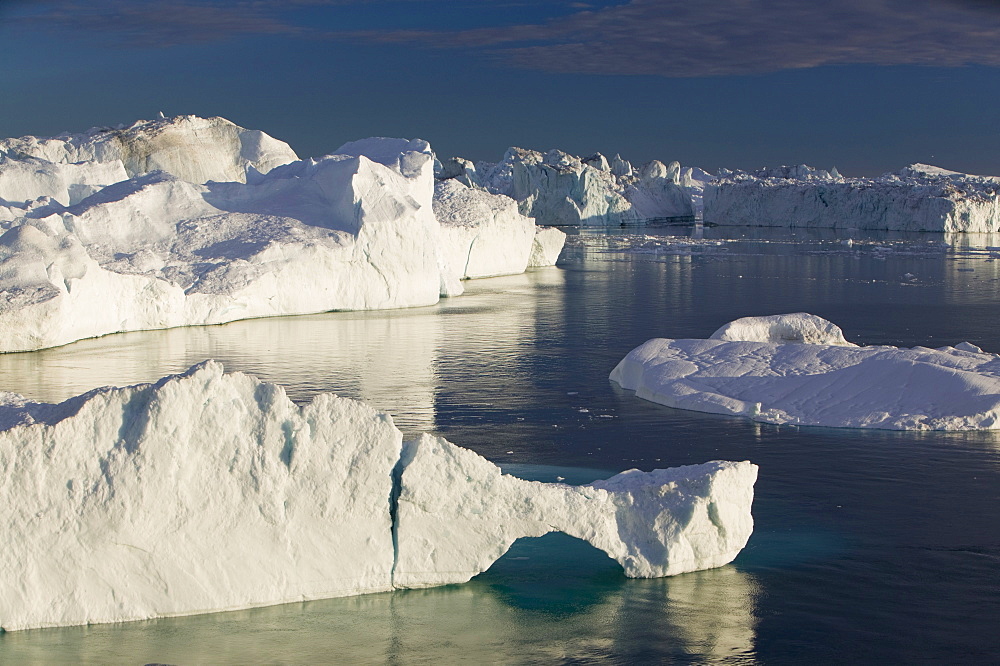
(798, 369)
(209, 491)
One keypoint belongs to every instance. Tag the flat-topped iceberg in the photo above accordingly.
(209, 491)
(798, 369)
(230, 226)
(560, 189)
(917, 198)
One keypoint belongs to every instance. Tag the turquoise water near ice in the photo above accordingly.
(869, 546)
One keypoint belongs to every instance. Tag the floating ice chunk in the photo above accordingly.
(800, 327)
(457, 514)
(824, 384)
(209, 491)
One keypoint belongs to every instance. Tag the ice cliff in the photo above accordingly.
(229, 225)
(917, 198)
(209, 491)
(798, 369)
(560, 189)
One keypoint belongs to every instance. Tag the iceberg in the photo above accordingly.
(229, 225)
(798, 369)
(457, 514)
(209, 491)
(156, 251)
(917, 198)
(560, 189)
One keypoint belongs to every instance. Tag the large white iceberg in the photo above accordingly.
(156, 251)
(917, 198)
(560, 189)
(108, 246)
(799, 369)
(209, 491)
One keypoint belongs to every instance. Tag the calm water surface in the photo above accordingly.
(869, 547)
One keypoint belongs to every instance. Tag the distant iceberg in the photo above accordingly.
(209, 491)
(186, 221)
(798, 369)
(917, 198)
(560, 189)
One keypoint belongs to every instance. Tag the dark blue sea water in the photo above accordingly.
(869, 546)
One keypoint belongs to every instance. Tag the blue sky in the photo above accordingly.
(865, 85)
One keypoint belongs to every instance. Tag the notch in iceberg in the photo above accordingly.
(798, 368)
(209, 491)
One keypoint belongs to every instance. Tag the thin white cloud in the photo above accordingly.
(659, 37)
(651, 37)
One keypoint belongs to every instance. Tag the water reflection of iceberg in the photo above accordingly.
(390, 359)
(698, 617)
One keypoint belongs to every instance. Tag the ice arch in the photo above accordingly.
(456, 514)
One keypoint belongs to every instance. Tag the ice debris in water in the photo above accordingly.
(798, 369)
(209, 491)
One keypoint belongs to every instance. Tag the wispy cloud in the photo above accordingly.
(154, 23)
(653, 37)
(660, 37)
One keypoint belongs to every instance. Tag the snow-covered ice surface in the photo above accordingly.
(798, 369)
(188, 221)
(560, 189)
(917, 198)
(209, 491)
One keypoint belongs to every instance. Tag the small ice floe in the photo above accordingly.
(797, 369)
